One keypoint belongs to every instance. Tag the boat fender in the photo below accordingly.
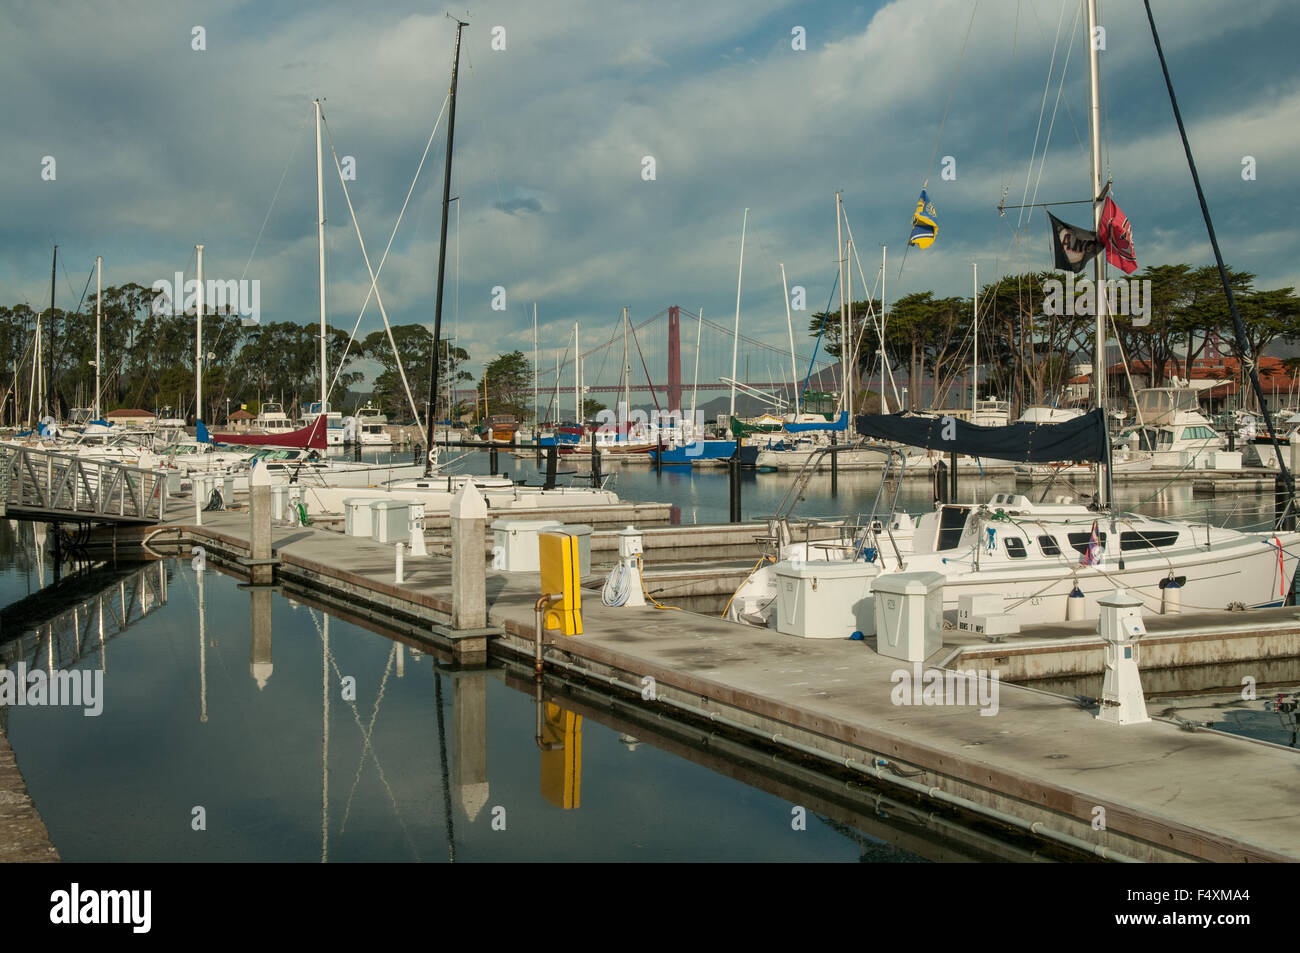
(1171, 597)
(1074, 605)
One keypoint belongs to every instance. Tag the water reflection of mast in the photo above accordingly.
(203, 649)
(442, 758)
(325, 740)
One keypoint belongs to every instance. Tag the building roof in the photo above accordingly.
(1273, 375)
(242, 415)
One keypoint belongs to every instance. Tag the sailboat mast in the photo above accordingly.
(577, 378)
(198, 342)
(1099, 262)
(789, 329)
(47, 383)
(844, 333)
(735, 341)
(884, 357)
(442, 245)
(536, 422)
(851, 361)
(99, 311)
(695, 384)
(627, 379)
(320, 253)
(975, 327)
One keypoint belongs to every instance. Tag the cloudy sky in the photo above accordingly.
(159, 146)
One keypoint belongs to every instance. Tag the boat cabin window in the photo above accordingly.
(1049, 545)
(1198, 433)
(1015, 547)
(1147, 539)
(1079, 541)
(952, 520)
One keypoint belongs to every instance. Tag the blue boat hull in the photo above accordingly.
(706, 450)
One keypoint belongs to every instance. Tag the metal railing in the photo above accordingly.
(49, 484)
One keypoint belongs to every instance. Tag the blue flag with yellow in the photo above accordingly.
(925, 227)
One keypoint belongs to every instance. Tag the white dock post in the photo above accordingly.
(468, 570)
(1120, 626)
(199, 484)
(398, 573)
(261, 570)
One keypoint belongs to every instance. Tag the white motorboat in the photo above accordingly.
(272, 419)
(372, 427)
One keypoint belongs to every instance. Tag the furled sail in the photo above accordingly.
(1080, 439)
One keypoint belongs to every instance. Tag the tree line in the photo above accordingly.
(148, 360)
(1026, 352)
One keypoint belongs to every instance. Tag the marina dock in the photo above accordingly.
(1043, 766)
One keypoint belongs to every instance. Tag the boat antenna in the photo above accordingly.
(442, 245)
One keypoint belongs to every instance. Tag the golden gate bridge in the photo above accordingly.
(658, 364)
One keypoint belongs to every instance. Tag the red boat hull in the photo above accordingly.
(307, 438)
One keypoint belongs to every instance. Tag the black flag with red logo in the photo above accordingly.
(1073, 247)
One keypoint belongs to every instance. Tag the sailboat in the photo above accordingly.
(1047, 561)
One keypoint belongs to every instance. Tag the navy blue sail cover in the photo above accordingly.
(1081, 439)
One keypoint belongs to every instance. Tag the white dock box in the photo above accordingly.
(971, 607)
(825, 599)
(909, 615)
(279, 500)
(515, 544)
(390, 521)
(1227, 460)
(356, 515)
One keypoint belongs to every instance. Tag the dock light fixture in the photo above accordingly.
(1121, 627)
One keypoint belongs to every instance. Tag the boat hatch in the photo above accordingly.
(952, 521)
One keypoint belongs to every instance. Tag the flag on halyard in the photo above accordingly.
(925, 227)
(1116, 234)
(1092, 556)
(1073, 247)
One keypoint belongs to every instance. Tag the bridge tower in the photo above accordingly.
(674, 359)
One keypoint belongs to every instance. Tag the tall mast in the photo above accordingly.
(735, 341)
(627, 378)
(557, 390)
(198, 343)
(536, 422)
(884, 358)
(320, 254)
(99, 310)
(47, 385)
(850, 366)
(1099, 262)
(577, 378)
(695, 386)
(844, 347)
(442, 243)
(975, 328)
(789, 328)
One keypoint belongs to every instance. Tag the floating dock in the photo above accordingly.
(1042, 765)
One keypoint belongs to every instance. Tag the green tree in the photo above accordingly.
(509, 380)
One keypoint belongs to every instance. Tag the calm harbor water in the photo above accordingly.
(251, 726)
